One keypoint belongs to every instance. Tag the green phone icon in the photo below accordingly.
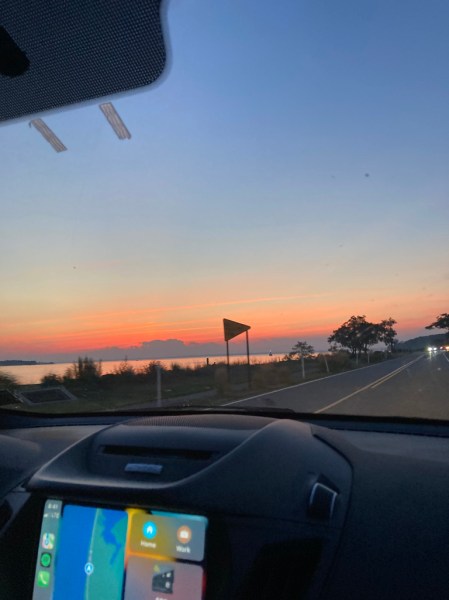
(45, 559)
(43, 579)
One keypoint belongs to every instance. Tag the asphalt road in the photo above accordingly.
(413, 386)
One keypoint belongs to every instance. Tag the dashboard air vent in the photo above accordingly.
(168, 448)
(139, 451)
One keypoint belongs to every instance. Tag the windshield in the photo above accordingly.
(288, 174)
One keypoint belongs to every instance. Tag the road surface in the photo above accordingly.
(413, 386)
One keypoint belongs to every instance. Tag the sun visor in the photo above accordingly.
(57, 53)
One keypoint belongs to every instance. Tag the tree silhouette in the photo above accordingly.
(84, 369)
(357, 334)
(387, 333)
(301, 349)
(441, 322)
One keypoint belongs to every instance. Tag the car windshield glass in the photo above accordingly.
(265, 227)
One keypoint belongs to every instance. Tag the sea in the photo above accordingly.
(32, 374)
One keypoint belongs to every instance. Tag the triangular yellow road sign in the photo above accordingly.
(233, 329)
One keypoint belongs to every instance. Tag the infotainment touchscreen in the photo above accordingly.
(92, 553)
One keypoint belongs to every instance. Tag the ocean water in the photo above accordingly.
(32, 374)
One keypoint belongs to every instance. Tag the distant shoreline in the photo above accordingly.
(32, 374)
(19, 363)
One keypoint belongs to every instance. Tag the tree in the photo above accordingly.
(357, 334)
(84, 369)
(387, 333)
(441, 322)
(300, 351)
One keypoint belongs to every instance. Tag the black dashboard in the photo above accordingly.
(294, 509)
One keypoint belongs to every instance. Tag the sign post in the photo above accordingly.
(247, 359)
(158, 385)
(231, 330)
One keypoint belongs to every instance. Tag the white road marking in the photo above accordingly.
(393, 373)
(291, 387)
(297, 385)
(371, 385)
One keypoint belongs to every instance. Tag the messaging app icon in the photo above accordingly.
(46, 559)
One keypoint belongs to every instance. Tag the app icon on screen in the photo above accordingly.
(149, 530)
(43, 579)
(184, 534)
(163, 580)
(45, 559)
(48, 541)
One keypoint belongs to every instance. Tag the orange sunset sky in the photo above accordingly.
(288, 202)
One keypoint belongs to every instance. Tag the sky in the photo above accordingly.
(290, 170)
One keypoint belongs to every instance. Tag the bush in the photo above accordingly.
(271, 375)
(284, 375)
(85, 369)
(377, 356)
(337, 361)
(51, 380)
(175, 367)
(221, 380)
(124, 370)
(263, 377)
(150, 369)
(7, 381)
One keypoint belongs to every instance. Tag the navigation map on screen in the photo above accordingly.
(90, 552)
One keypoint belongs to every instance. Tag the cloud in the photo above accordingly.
(174, 348)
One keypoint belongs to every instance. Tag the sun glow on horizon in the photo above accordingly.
(299, 316)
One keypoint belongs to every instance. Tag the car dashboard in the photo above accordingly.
(283, 508)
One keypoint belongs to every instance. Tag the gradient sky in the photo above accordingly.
(290, 171)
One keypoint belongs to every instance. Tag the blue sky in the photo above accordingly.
(289, 171)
